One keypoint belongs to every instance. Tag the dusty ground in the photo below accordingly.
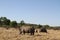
(13, 34)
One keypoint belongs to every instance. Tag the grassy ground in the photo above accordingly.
(13, 34)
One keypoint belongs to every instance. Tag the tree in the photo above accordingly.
(4, 21)
(0, 22)
(13, 24)
(46, 26)
(7, 22)
(39, 26)
(22, 23)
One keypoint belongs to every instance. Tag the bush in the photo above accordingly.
(13, 24)
(46, 26)
(39, 26)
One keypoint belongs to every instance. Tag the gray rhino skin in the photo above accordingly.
(27, 30)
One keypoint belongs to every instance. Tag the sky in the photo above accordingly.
(32, 11)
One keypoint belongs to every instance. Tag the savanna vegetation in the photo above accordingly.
(10, 30)
(5, 22)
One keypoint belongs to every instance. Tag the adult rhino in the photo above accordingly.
(43, 30)
(30, 30)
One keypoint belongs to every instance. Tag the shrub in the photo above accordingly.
(13, 24)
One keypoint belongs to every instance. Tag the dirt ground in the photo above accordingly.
(13, 34)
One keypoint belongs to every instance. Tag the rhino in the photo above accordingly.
(24, 30)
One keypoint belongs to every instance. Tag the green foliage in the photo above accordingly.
(39, 26)
(4, 21)
(0, 23)
(46, 26)
(13, 24)
(22, 23)
(7, 22)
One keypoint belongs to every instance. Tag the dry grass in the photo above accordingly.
(13, 34)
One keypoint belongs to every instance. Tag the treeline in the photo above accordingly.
(5, 22)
